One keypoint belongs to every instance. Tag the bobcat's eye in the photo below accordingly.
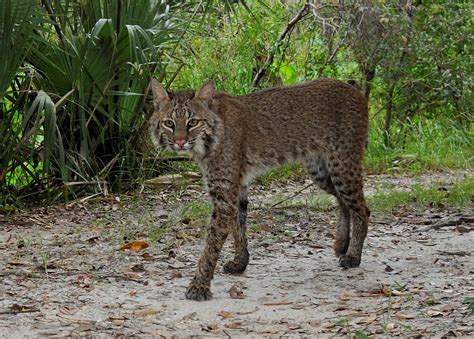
(168, 123)
(193, 122)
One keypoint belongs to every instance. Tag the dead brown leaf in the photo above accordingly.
(448, 307)
(210, 328)
(175, 274)
(146, 312)
(402, 316)
(83, 280)
(236, 291)
(66, 310)
(434, 313)
(135, 246)
(234, 326)
(367, 320)
(226, 315)
(463, 229)
(294, 327)
(148, 257)
(117, 322)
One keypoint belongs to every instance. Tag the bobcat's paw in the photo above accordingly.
(340, 247)
(198, 292)
(235, 267)
(347, 261)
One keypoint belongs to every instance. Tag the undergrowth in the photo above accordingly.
(459, 194)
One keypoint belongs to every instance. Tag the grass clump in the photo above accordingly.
(418, 147)
(459, 194)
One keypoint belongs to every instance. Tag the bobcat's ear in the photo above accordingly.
(159, 92)
(207, 91)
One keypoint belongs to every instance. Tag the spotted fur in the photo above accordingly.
(322, 124)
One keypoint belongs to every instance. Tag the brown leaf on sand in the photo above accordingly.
(367, 320)
(402, 316)
(210, 328)
(135, 246)
(226, 315)
(148, 257)
(236, 291)
(66, 310)
(146, 312)
(234, 326)
(175, 274)
(83, 280)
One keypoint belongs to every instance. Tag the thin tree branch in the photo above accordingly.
(291, 25)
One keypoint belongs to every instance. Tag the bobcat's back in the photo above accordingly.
(285, 124)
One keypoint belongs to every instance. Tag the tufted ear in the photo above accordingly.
(207, 91)
(159, 92)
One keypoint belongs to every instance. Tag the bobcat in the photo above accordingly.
(322, 124)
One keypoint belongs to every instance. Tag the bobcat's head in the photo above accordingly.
(184, 121)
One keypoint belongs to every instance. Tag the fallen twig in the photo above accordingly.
(20, 310)
(442, 224)
(291, 197)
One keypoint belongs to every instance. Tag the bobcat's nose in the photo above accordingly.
(180, 142)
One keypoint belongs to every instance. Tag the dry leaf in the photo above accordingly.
(83, 280)
(117, 322)
(236, 291)
(175, 274)
(463, 229)
(367, 320)
(148, 257)
(401, 316)
(210, 328)
(190, 316)
(234, 326)
(315, 323)
(226, 315)
(135, 246)
(66, 310)
(448, 307)
(146, 312)
(434, 313)
(138, 268)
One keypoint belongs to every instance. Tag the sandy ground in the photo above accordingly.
(62, 272)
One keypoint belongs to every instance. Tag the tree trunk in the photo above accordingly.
(368, 74)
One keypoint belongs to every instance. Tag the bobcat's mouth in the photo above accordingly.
(187, 146)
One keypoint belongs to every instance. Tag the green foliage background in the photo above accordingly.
(74, 78)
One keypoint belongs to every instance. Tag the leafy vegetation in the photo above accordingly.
(460, 194)
(74, 79)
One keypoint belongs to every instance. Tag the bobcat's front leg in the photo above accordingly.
(224, 217)
(241, 257)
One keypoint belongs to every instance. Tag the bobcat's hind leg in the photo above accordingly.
(318, 170)
(241, 257)
(349, 186)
